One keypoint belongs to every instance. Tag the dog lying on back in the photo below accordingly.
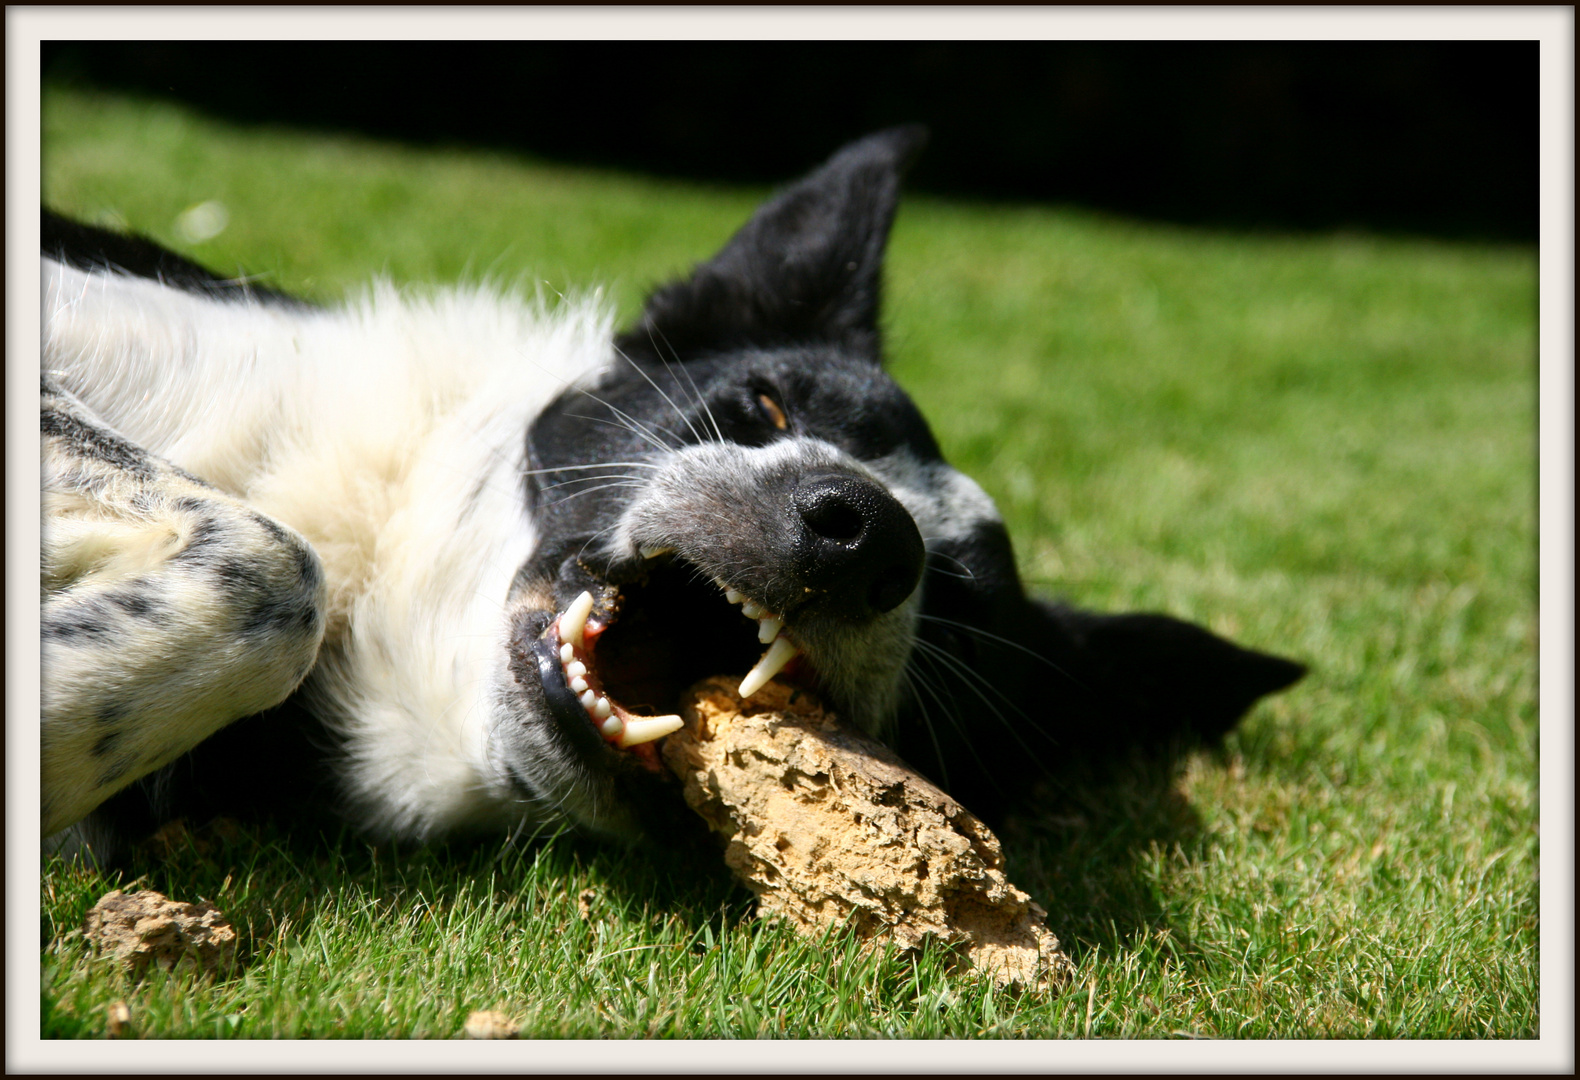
(479, 546)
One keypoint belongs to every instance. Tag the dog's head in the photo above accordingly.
(744, 490)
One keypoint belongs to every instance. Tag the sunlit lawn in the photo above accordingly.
(1323, 446)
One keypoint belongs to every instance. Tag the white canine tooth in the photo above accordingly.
(768, 629)
(650, 552)
(602, 708)
(588, 699)
(611, 726)
(574, 621)
(641, 729)
(575, 668)
(778, 655)
(578, 684)
(567, 653)
(733, 596)
(751, 609)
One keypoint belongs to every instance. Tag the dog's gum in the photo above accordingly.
(619, 727)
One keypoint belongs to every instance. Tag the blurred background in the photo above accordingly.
(1422, 138)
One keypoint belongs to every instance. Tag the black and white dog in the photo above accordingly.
(480, 545)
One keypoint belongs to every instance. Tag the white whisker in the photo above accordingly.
(600, 487)
(678, 411)
(590, 479)
(696, 393)
(973, 681)
(912, 678)
(594, 465)
(978, 632)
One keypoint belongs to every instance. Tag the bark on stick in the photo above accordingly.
(827, 826)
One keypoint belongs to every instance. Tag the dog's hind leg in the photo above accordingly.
(168, 610)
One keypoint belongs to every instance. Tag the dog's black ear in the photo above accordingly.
(805, 269)
(1153, 679)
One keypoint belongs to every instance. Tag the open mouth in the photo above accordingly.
(616, 666)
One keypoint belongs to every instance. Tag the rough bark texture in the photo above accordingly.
(827, 827)
(144, 928)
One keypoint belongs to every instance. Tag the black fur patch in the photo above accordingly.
(277, 534)
(308, 573)
(70, 626)
(87, 247)
(277, 615)
(206, 537)
(98, 444)
(240, 578)
(138, 605)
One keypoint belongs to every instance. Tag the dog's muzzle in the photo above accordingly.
(791, 566)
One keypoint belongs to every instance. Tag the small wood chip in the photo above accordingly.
(146, 928)
(120, 1019)
(829, 827)
(489, 1024)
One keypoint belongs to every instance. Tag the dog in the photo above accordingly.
(455, 556)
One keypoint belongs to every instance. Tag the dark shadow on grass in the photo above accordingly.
(251, 774)
(1077, 846)
(270, 875)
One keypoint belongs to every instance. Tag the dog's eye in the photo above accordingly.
(772, 412)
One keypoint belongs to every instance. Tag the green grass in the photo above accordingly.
(1324, 446)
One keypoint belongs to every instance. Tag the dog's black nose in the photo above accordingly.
(858, 545)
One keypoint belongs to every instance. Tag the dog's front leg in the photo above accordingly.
(169, 610)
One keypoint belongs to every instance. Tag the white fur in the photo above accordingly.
(390, 434)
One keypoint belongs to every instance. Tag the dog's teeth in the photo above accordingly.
(588, 700)
(751, 609)
(768, 629)
(611, 726)
(602, 708)
(567, 653)
(575, 668)
(578, 684)
(574, 621)
(778, 655)
(650, 552)
(733, 596)
(641, 729)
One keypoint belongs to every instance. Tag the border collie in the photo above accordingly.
(478, 545)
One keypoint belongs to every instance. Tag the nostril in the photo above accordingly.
(833, 518)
